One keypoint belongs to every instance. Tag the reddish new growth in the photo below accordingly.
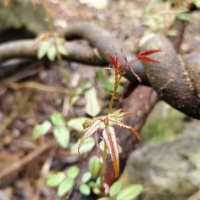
(141, 56)
(109, 133)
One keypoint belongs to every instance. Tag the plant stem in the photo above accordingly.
(103, 167)
(58, 55)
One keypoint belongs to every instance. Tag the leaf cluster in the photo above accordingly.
(65, 182)
(47, 47)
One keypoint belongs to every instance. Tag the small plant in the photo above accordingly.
(66, 181)
(109, 133)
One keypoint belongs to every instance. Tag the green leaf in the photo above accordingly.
(41, 129)
(123, 80)
(54, 180)
(73, 100)
(85, 189)
(96, 190)
(51, 53)
(172, 33)
(94, 165)
(100, 74)
(86, 177)
(65, 187)
(98, 181)
(86, 146)
(62, 136)
(197, 3)
(73, 172)
(92, 105)
(183, 16)
(130, 192)
(78, 91)
(86, 85)
(115, 188)
(43, 48)
(102, 143)
(109, 86)
(57, 118)
(103, 198)
(91, 184)
(76, 123)
(62, 50)
(60, 40)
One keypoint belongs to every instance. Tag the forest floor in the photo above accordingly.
(24, 163)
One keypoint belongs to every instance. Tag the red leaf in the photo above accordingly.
(128, 66)
(147, 59)
(111, 58)
(91, 131)
(148, 52)
(122, 125)
(110, 139)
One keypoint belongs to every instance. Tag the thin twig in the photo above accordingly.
(59, 57)
(24, 161)
(38, 86)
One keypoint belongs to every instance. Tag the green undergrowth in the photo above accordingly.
(159, 126)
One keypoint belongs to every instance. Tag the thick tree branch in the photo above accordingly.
(77, 52)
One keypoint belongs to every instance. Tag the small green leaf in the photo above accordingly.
(41, 129)
(197, 3)
(54, 180)
(101, 74)
(183, 16)
(172, 33)
(101, 146)
(51, 53)
(87, 85)
(91, 184)
(123, 80)
(60, 40)
(57, 118)
(76, 123)
(65, 187)
(104, 198)
(78, 91)
(109, 86)
(86, 146)
(96, 190)
(62, 50)
(130, 192)
(92, 106)
(115, 188)
(94, 165)
(73, 172)
(62, 136)
(85, 189)
(98, 181)
(86, 177)
(43, 48)
(73, 100)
